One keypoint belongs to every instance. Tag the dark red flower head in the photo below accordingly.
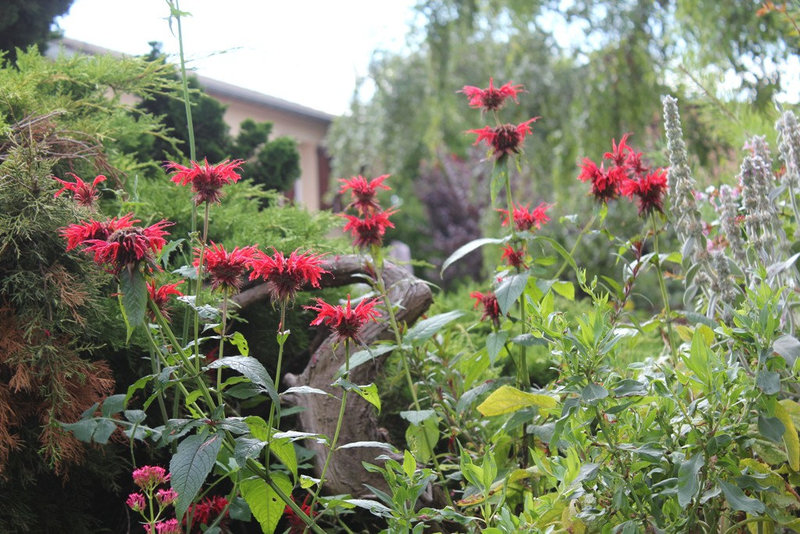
(514, 257)
(370, 229)
(79, 234)
(491, 98)
(506, 139)
(525, 219)
(285, 276)
(345, 321)
(82, 193)
(619, 152)
(296, 523)
(205, 511)
(649, 190)
(363, 192)
(128, 246)
(160, 296)
(226, 268)
(491, 308)
(207, 180)
(604, 183)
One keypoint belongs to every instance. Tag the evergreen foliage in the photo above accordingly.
(27, 22)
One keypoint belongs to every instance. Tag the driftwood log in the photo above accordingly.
(411, 297)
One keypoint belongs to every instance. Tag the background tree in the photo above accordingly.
(28, 22)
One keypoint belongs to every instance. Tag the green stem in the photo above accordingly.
(584, 231)
(663, 287)
(274, 411)
(224, 312)
(197, 290)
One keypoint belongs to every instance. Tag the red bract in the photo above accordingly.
(604, 184)
(205, 511)
(363, 192)
(148, 477)
(514, 257)
(619, 152)
(84, 194)
(525, 219)
(491, 98)
(226, 268)
(649, 190)
(78, 234)
(506, 139)
(369, 230)
(128, 246)
(206, 180)
(285, 276)
(491, 308)
(345, 321)
(296, 523)
(160, 296)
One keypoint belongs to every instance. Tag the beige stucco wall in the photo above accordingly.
(308, 133)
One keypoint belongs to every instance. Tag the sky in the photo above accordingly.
(310, 52)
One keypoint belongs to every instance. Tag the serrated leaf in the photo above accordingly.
(133, 298)
(688, 481)
(370, 394)
(190, 466)
(463, 250)
(136, 386)
(739, 501)
(510, 290)
(246, 449)
(264, 502)
(507, 399)
(168, 249)
(427, 328)
(252, 369)
(284, 451)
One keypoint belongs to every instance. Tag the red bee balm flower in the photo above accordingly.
(649, 190)
(369, 230)
(84, 194)
(285, 276)
(506, 139)
(491, 98)
(207, 180)
(128, 246)
(226, 268)
(160, 296)
(515, 258)
(491, 308)
(619, 152)
(604, 184)
(206, 511)
(345, 321)
(79, 234)
(525, 220)
(363, 192)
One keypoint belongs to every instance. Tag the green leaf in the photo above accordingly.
(409, 464)
(113, 404)
(284, 451)
(240, 342)
(688, 481)
(463, 250)
(494, 343)
(790, 439)
(252, 369)
(507, 399)
(498, 180)
(190, 466)
(246, 449)
(364, 356)
(415, 417)
(593, 393)
(771, 428)
(374, 507)
(422, 438)
(82, 430)
(426, 328)
(769, 382)
(565, 289)
(264, 502)
(370, 394)
(133, 299)
(139, 384)
(739, 501)
(699, 356)
(787, 346)
(168, 249)
(510, 289)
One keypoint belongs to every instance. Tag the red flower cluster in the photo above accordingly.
(296, 524)
(506, 139)
(491, 308)
(285, 276)
(226, 268)
(369, 227)
(514, 257)
(206, 180)
(160, 296)
(205, 511)
(627, 176)
(148, 477)
(117, 243)
(345, 321)
(83, 194)
(491, 98)
(525, 219)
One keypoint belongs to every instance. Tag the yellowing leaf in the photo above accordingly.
(790, 439)
(507, 399)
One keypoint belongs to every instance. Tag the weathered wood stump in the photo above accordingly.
(411, 297)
